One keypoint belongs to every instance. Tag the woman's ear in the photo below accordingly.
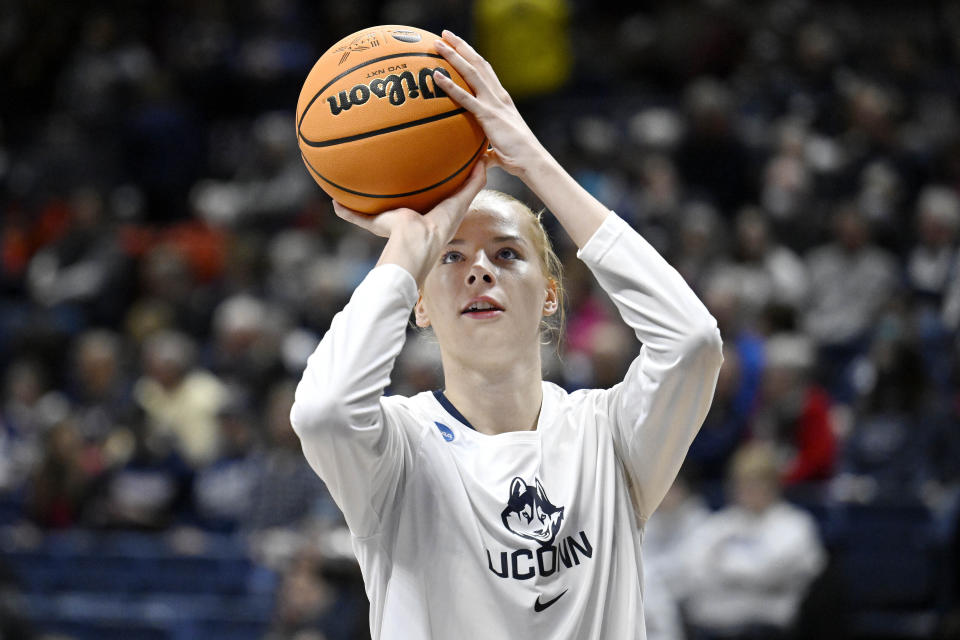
(552, 302)
(420, 313)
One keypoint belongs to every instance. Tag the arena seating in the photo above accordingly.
(133, 586)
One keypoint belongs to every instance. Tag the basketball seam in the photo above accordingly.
(377, 132)
(395, 195)
(413, 54)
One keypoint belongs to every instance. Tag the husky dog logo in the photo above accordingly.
(530, 514)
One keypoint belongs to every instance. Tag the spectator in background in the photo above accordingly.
(286, 491)
(933, 260)
(794, 414)
(787, 181)
(60, 486)
(180, 400)
(308, 607)
(102, 395)
(749, 565)
(711, 158)
(170, 296)
(594, 339)
(669, 530)
(850, 282)
(418, 366)
(723, 300)
(84, 271)
(222, 489)
(659, 191)
(247, 334)
(766, 272)
(933, 275)
(289, 255)
(700, 243)
(724, 429)
(147, 489)
(899, 434)
(22, 423)
(269, 181)
(661, 611)
(951, 307)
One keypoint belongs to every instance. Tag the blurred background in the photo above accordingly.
(167, 264)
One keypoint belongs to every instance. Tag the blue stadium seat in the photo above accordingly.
(892, 560)
(134, 587)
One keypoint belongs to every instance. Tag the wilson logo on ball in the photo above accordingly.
(395, 87)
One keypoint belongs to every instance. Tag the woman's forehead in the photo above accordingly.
(499, 219)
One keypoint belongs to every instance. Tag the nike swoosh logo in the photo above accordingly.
(538, 606)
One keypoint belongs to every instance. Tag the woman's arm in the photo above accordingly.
(337, 412)
(658, 408)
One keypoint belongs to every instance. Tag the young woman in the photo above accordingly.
(502, 506)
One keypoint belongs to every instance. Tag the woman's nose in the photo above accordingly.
(481, 269)
(472, 278)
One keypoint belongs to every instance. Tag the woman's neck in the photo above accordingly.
(496, 400)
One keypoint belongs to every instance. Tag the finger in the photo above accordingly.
(344, 212)
(472, 185)
(454, 207)
(458, 94)
(478, 176)
(340, 210)
(492, 158)
(465, 68)
(464, 49)
(355, 217)
(481, 67)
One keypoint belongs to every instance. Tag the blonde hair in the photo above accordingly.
(551, 327)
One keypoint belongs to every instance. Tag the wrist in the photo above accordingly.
(410, 251)
(540, 169)
(575, 208)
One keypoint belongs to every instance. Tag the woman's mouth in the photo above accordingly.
(482, 308)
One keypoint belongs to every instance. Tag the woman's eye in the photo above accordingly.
(450, 256)
(508, 254)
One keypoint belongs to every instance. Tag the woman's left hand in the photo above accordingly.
(515, 148)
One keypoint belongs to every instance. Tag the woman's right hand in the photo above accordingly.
(415, 240)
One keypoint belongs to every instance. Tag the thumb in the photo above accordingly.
(455, 206)
(493, 158)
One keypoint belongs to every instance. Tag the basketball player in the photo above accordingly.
(501, 506)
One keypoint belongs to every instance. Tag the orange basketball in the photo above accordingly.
(374, 129)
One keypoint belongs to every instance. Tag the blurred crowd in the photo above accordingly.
(167, 265)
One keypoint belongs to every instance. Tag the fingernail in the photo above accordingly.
(441, 44)
(450, 32)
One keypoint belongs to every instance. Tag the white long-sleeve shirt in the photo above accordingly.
(522, 534)
(745, 568)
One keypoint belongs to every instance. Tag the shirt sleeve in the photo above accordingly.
(338, 412)
(657, 409)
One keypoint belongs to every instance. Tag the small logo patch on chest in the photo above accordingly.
(445, 431)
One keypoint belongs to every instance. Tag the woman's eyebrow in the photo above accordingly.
(517, 239)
